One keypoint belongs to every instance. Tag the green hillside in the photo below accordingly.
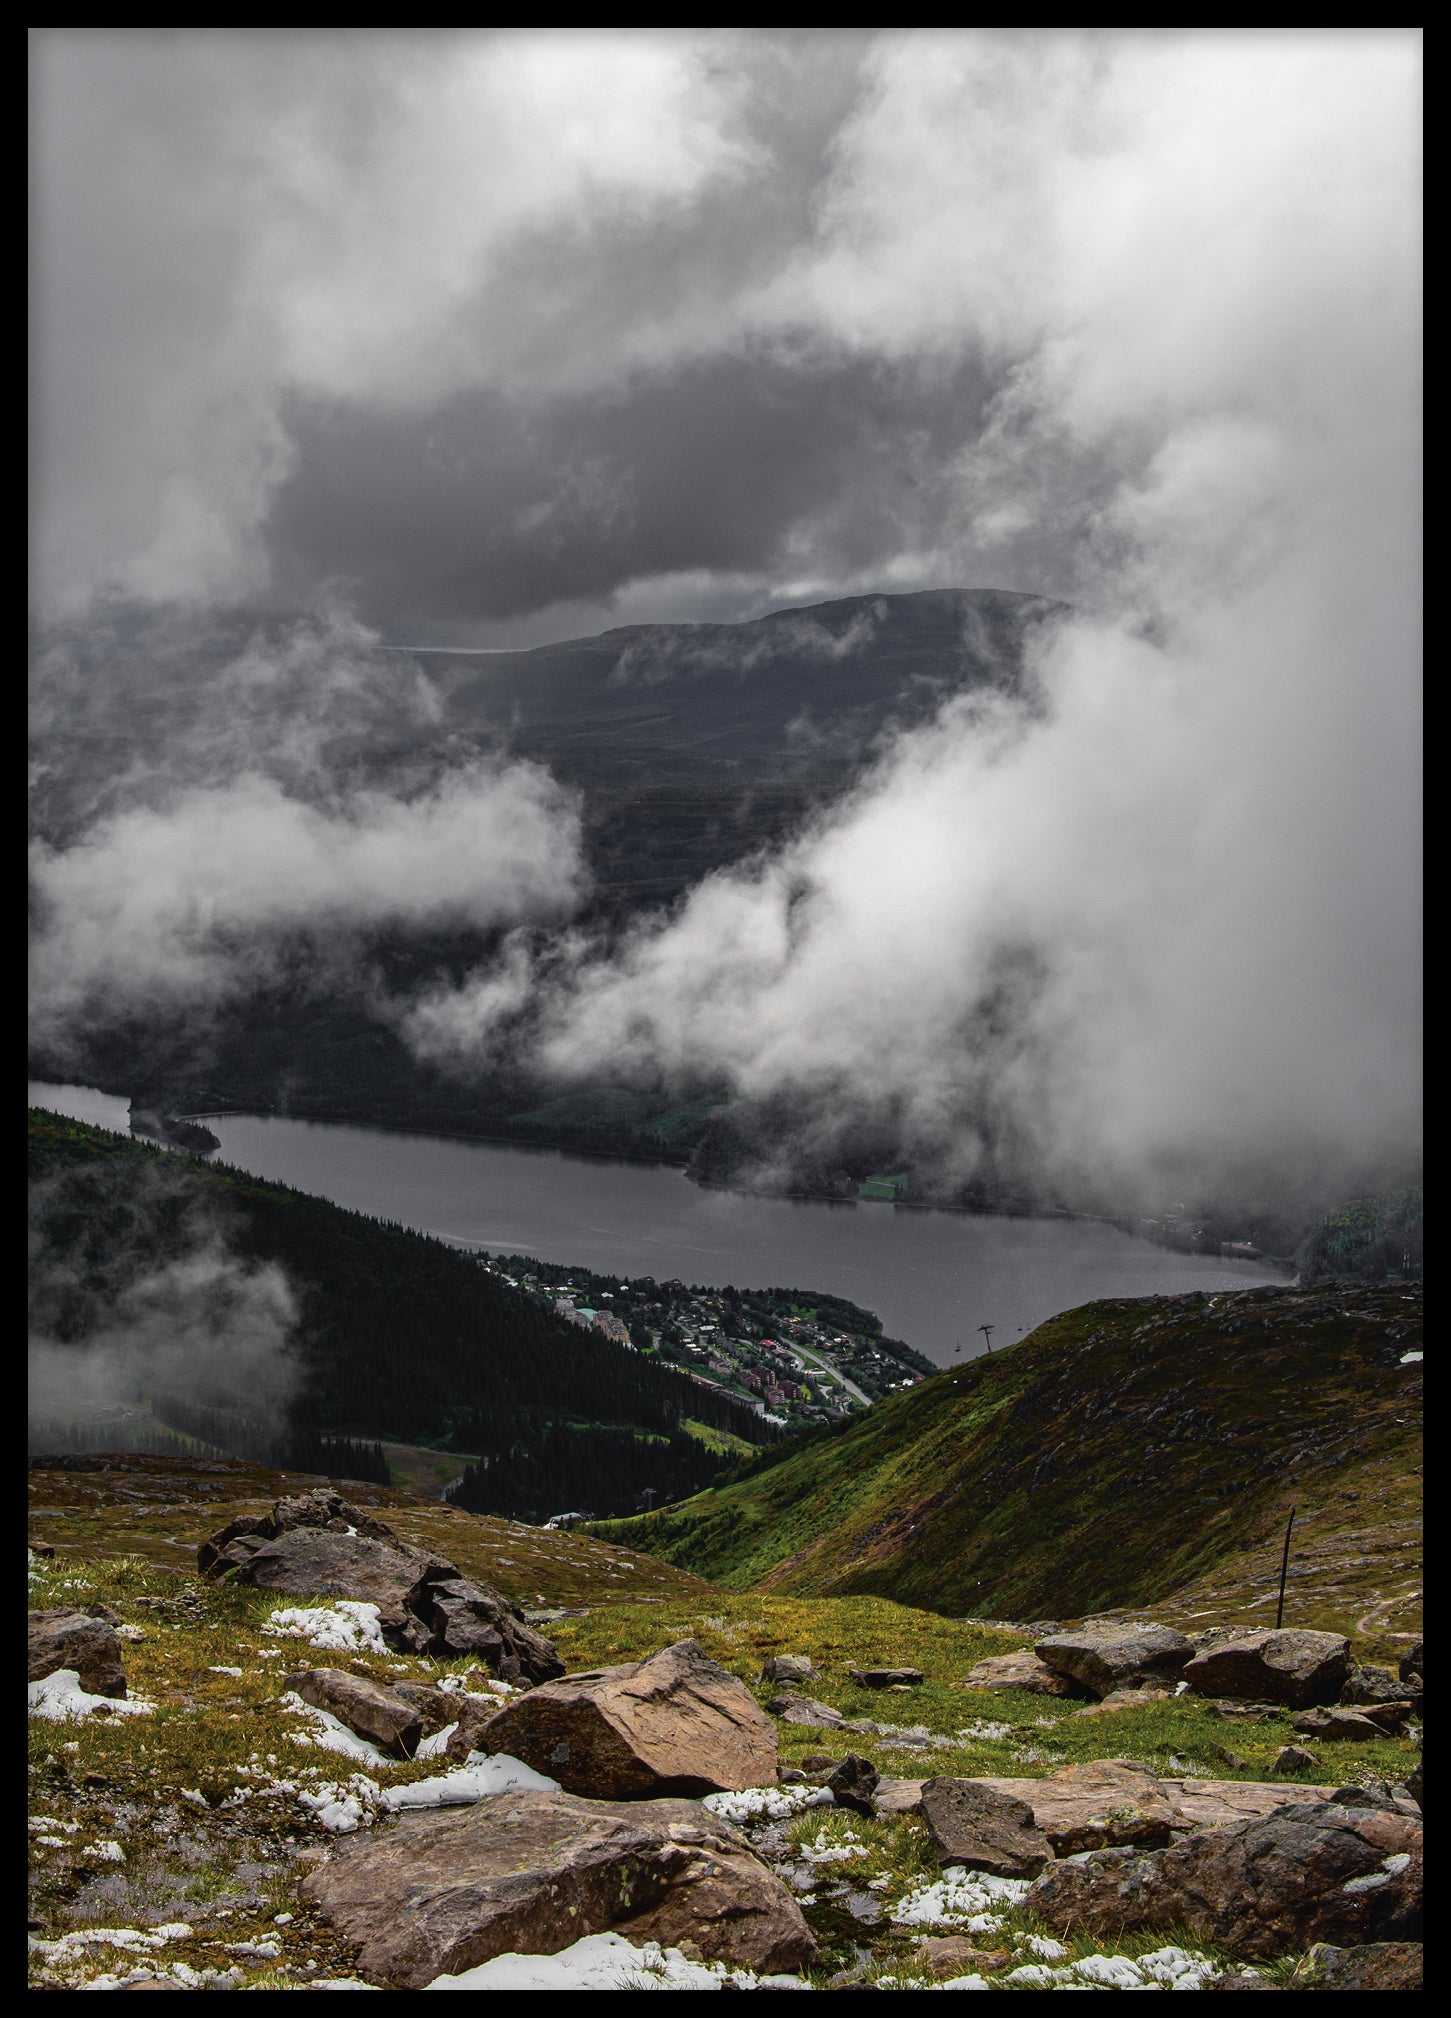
(397, 1336)
(1116, 1455)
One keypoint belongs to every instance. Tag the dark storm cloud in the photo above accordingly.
(521, 334)
(483, 509)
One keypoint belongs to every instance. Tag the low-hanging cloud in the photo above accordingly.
(740, 321)
(180, 903)
(138, 1292)
(1169, 915)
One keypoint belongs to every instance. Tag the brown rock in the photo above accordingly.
(1126, 1699)
(1335, 1723)
(65, 1638)
(1106, 1658)
(1413, 1662)
(1208, 1803)
(1248, 1713)
(1378, 1965)
(1372, 1685)
(954, 1955)
(1292, 1667)
(803, 1710)
(437, 1708)
(885, 1678)
(531, 1873)
(1101, 1802)
(898, 1797)
(42, 1548)
(976, 1825)
(469, 1618)
(1256, 1888)
(821, 1762)
(678, 1723)
(1293, 1759)
(1021, 1671)
(366, 1707)
(788, 1668)
(853, 1783)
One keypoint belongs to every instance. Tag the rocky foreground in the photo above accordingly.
(334, 1760)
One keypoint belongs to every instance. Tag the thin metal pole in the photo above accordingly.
(1284, 1568)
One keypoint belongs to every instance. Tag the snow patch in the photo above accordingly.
(349, 1626)
(61, 1698)
(609, 1962)
(480, 1776)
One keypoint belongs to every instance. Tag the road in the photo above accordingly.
(820, 1359)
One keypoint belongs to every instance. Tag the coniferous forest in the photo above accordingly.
(389, 1336)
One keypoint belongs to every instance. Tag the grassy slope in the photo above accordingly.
(157, 1509)
(1125, 1453)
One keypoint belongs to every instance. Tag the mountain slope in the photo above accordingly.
(390, 1334)
(1116, 1455)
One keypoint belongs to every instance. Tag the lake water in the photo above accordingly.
(932, 1277)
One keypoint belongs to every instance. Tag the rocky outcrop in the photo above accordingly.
(1292, 1667)
(1378, 1965)
(1413, 1664)
(65, 1638)
(317, 1545)
(1105, 1658)
(986, 1830)
(531, 1873)
(1021, 1671)
(1321, 1872)
(368, 1709)
(678, 1723)
(885, 1678)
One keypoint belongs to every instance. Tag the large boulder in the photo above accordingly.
(972, 1824)
(1105, 1658)
(1321, 1872)
(531, 1873)
(66, 1638)
(1413, 1663)
(677, 1723)
(317, 1545)
(1294, 1667)
(1022, 1671)
(380, 1714)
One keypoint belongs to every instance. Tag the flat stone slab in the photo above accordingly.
(1074, 1805)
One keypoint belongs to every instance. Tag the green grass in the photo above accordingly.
(229, 1868)
(1123, 1452)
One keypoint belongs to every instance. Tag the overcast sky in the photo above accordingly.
(503, 337)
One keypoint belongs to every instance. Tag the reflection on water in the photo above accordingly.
(932, 1277)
